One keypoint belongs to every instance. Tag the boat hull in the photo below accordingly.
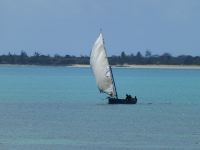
(122, 101)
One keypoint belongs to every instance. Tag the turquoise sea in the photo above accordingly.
(54, 108)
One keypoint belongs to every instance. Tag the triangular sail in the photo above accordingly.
(101, 68)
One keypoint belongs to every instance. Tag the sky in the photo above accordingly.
(71, 26)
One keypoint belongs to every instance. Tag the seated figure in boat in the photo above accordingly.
(135, 99)
(128, 97)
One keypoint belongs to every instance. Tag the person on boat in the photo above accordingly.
(128, 97)
(135, 99)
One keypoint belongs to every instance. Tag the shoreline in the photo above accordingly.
(145, 66)
(120, 66)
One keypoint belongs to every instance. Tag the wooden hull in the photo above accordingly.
(122, 101)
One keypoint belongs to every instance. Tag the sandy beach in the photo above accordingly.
(124, 66)
(148, 66)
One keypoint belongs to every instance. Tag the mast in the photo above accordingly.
(101, 68)
(112, 78)
(113, 82)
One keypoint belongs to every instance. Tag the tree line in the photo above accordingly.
(138, 59)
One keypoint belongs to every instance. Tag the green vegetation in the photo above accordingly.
(147, 59)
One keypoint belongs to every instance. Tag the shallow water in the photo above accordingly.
(53, 108)
(53, 84)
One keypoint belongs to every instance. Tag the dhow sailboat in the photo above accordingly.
(103, 74)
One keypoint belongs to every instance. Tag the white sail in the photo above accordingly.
(101, 69)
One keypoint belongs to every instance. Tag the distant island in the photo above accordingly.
(121, 60)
